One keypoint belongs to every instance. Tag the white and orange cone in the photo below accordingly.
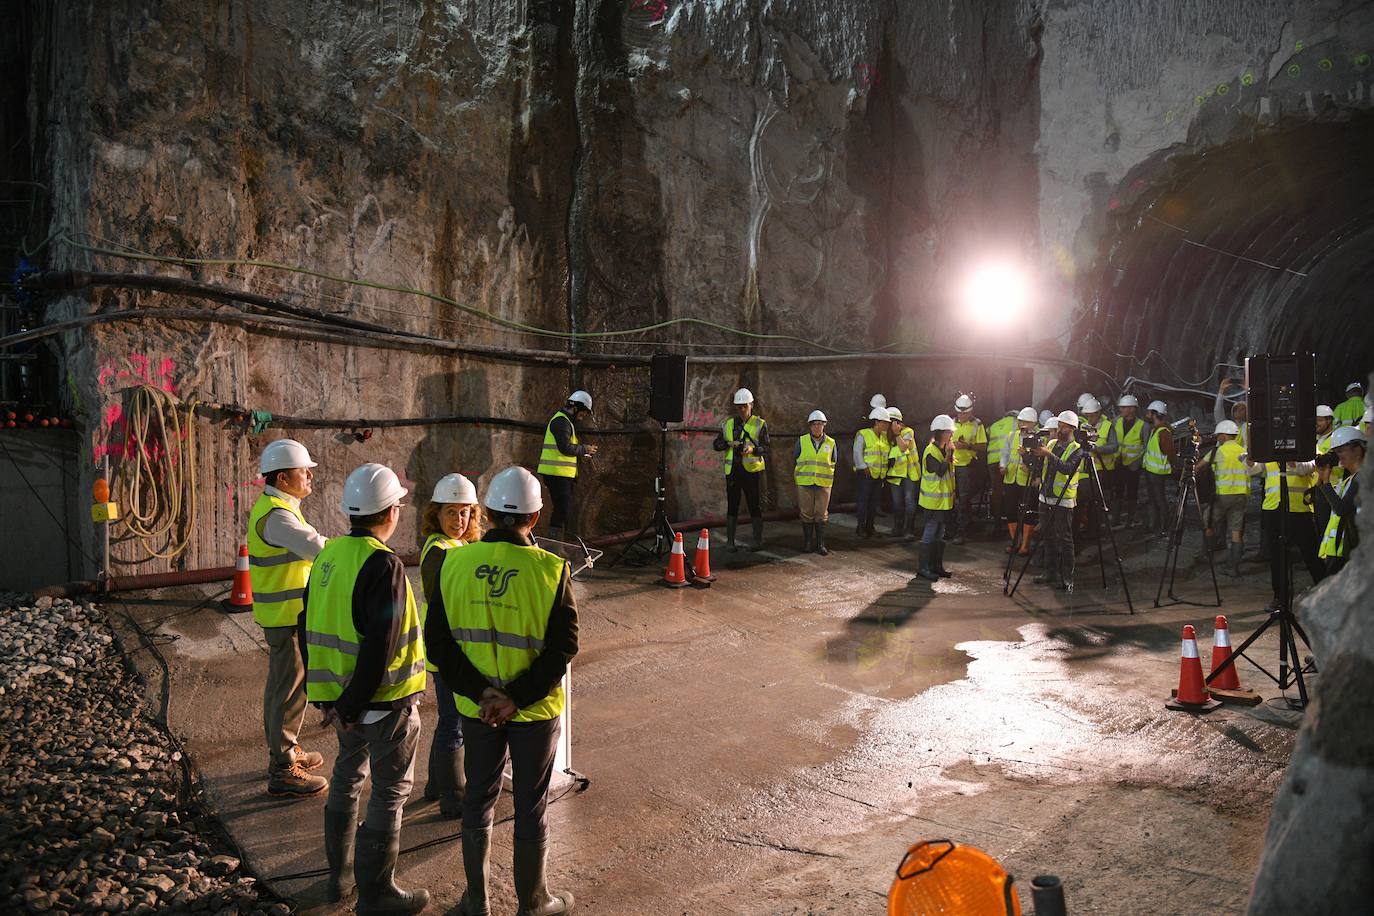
(1191, 695)
(701, 560)
(1225, 685)
(675, 576)
(241, 595)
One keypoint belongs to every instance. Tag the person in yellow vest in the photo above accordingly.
(1300, 476)
(814, 473)
(450, 521)
(870, 454)
(1351, 410)
(1227, 461)
(937, 496)
(905, 490)
(1232, 392)
(997, 438)
(502, 630)
(1341, 534)
(281, 546)
(1325, 427)
(1158, 465)
(1059, 481)
(744, 440)
(558, 460)
(365, 667)
(1131, 433)
(1103, 446)
(970, 449)
(1018, 511)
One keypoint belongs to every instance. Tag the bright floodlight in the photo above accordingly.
(995, 295)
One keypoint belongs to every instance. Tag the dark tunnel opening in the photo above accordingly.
(1264, 244)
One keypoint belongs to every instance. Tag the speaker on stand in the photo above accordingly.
(667, 404)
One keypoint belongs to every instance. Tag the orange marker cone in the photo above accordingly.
(701, 561)
(675, 576)
(241, 596)
(1221, 651)
(1191, 695)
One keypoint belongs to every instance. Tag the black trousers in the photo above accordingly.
(743, 482)
(531, 747)
(1302, 534)
(561, 495)
(1125, 491)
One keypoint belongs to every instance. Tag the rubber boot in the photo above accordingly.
(757, 525)
(1011, 537)
(820, 539)
(476, 858)
(339, 830)
(374, 865)
(730, 523)
(806, 536)
(438, 774)
(451, 799)
(937, 562)
(925, 571)
(1233, 553)
(530, 890)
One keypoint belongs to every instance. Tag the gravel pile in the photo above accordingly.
(90, 819)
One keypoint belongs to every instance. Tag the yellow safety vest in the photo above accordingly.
(1348, 412)
(277, 574)
(898, 462)
(1324, 446)
(1156, 462)
(436, 541)
(815, 467)
(753, 427)
(937, 490)
(552, 462)
(970, 431)
(1065, 486)
(1228, 467)
(875, 453)
(1130, 446)
(1333, 539)
(1104, 462)
(997, 439)
(1016, 474)
(498, 596)
(333, 642)
(1298, 485)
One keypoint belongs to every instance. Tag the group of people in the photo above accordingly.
(495, 629)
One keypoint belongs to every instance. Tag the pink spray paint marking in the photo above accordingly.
(656, 9)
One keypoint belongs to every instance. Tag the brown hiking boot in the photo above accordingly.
(310, 760)
(294, 782)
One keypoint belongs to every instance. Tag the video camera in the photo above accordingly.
(1328, 460)
(1031, 440)
(1085, 436)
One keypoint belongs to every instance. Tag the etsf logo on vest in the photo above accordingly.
(326, 570)
(497, 580)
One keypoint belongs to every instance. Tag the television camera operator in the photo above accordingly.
(1341, 536)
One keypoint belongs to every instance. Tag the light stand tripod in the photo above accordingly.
(1187, 487)
(660, 526)
(1282, 614)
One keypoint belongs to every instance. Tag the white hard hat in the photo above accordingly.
(1127, 400)
(581, 397)
(1090, 405)
(877, 401)
(744, 396)
(284, 454)
(1084, 398)
(894, 414)
(1051, 425)
(1346, 435)
(1354, 386)
(942, 422)
(1070, 418)
(1324, 410)
(963, 402)
(1227, 428)
(514, 490)
(1048, 420)
(371, 488)
(878, 413)
(1159, 408)
(454, 488)
(817, 415)
(1028, 413)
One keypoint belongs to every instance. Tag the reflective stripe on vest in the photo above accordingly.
(815, 467)
(1229, 469)
(498, 596)
(970, 431)
(875, 453)
(1298, 485)
(1333, 539)
(277, 574)
(553, 462)
(1016, 473)
(436, 541)
(997, 439)
(1156, 462)
(1065, 486)
(753, 428)
(1348, 412)
(332, 640)
(1130, 445)
(1104, 462)
(937, 490)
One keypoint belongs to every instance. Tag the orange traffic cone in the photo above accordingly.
(701, 561)
(1225, 685)
(1191, 695)
(241, 596)
(675, 576)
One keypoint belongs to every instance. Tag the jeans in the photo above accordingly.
(1156, 490)
(1056, 526)
(866, 505)
(531, 746)
(935, 526)
(385, 750)
(904, 504)
(448, 731)
(561, 495)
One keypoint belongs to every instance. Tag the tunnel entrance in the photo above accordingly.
(1260, 244)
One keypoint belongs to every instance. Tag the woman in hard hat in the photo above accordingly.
(1015, 468)
(870, 454)
(814, 473)
(744, 440)
(937, 496)
(901, 455)
(1342, 535)
(450, 520)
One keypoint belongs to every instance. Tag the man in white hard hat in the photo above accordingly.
(1349, 411)
(744, 440)
(937, 496)
(1231, 403)
(1058, 496)
(502, 630)
(1018, 511)
(281, 547)
(365, 667)
(1227, 461)
(1341, 535)
(900, 455)
(870, 455)
(1158, 466)
(558, 461)
(1131, 433)
(1103, 446)
(814, 473)
(970, 449)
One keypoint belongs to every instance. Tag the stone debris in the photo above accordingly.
(89, 813)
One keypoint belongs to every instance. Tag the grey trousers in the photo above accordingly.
(385, 750)
(283, 696)
(1056, 529)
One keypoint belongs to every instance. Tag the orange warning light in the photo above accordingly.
(100, 490)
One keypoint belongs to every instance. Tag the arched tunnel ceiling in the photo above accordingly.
(1259, 245)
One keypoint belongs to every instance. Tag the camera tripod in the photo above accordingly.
(658, 523)
(1187, 488)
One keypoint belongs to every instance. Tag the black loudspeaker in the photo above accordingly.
(667, 387)
(1018, 388)
(1282, 407)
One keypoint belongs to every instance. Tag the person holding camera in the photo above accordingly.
(1015, 473)
(1325, 428)
(1341, 535)
(1227, 462)
(1158, 465)
(1103, 446)
(1058, 496)
(744, 440)
(559, 457)
(937, 496)
(900, 458)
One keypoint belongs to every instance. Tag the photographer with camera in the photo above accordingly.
(1227, 461)
(1102, 443)
(1341, 535)
(1058, 496)
(1016, 477)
